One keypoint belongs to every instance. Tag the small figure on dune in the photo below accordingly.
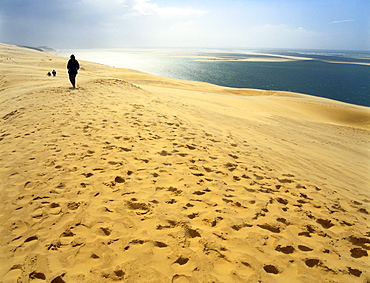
(48, 74)
(54, 73)
(73, 67)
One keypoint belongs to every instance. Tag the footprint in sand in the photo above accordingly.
(271, 269)
(282, 201)
(73, 205)
(270, 227)
(105, 231)
(37, 275)
(304, 248)
(230, 166)
(87, 175)
(193, 215)
(182, 260)
(354, 271)
(325, 223)
(119, 180)
(312, 262)
(160, 244)
(30, 239)
(139, 207)
(29, 185)
(191, 233)
(37, 214)
(358, 252)
(55, 208)
(240, 226)
(174, 191)
(285, 250)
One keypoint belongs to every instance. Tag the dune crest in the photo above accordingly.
(135, 178)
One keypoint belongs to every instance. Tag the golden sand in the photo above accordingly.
(137, 178)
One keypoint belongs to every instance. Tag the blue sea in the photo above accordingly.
(314, 73)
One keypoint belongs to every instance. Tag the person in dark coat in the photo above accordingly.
(73, 67)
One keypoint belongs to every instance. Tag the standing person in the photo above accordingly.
(73, 67)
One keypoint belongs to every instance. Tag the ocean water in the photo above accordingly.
(347, 81)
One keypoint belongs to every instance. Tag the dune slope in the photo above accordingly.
(136, 178)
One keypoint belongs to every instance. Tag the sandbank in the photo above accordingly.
(257, 57)
(248, 59)
(137, 178)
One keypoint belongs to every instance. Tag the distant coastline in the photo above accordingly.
(42, 49)
(281, 57)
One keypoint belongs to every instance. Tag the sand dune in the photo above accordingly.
(136, 178)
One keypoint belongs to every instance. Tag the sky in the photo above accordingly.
(292, 24)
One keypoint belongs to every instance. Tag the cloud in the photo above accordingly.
(146, 8)
(104, 23)
(178, 12)
(343, 21)
(139, 8)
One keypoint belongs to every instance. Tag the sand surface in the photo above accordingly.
(136, 178)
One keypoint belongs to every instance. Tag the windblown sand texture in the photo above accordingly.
(136, 178)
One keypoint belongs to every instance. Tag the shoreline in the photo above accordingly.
(134, 177)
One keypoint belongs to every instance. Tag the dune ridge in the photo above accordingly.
(136, 178)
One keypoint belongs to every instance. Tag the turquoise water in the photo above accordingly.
(339, 81)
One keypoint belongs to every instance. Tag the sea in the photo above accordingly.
(333, 74)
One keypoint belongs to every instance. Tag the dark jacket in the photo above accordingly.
(73, 66)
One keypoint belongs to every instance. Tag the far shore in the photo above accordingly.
(258, 57)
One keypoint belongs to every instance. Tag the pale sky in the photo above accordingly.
(301, 24)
